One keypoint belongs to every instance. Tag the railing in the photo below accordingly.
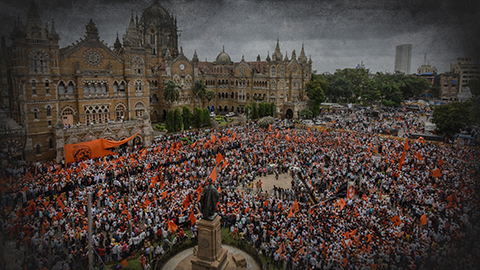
(11, 132)
(100, 127)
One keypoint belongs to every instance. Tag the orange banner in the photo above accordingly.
(93, 149)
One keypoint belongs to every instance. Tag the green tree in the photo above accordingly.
(170, 121)
(389, 87)
(413, 86)
(339, 88)
(451, 118)
(178, 119)
(272, 109)
(197, 117)
(306, 113)
(199, 91)
(171, 91)
(315, 93)
(370, 93)
(187, 117)
(261, 109)
(254, 110)
(210, 95)
(205, 117)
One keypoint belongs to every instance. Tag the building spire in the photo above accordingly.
(302, 58)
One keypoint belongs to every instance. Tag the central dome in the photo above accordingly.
(223, 58)
(156, 14)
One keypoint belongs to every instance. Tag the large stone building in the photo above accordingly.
(51, 96)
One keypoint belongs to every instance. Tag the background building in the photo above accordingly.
(466, 71)
(448, 83)
(403, 58)
(52, 96)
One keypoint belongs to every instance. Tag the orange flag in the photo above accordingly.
(396, 220)
(342, 204)
(419, 156)
(423, 219)
(295, 206)
(187, 201)
(290, 213)
(192, 218)
(93, 149)
(218, 159)
(440, 162)
(436, 173)
(213, 175)
(402, 160)
(172, 226)
(406, 147)
(124, 263)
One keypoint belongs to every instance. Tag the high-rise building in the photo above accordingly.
(55, 96)
(403, 58)
(466, 71)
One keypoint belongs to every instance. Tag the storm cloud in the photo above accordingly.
(336, 34)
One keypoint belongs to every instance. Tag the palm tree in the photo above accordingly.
(199, 91)
(171, 91)
(209, 95)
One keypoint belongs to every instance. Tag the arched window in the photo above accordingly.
(34, 87)
(35, 113)
(139, 109)
(38, 61)
(61, 88)
(50, 143)
(119, 112)
(47, 87)
(137, 65)
(115, 87)
(273, 71)
(49, 111)
(38, 149)
(122, 87)
(70, 88)
(154, 98)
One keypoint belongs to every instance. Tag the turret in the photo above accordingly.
(302, 58)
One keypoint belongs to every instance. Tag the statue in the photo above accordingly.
(208, 201)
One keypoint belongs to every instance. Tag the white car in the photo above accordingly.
(212, 114)
(230, 114)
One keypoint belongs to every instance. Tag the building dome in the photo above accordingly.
(156, 15)
(223, 58)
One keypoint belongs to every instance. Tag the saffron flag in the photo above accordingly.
(218, 159)
(124, 263)
(192, 218)
(172, 226)
(93, 149)
(213, 175)
(423, 220)
(295, 206)
(342, 204)
(396, 220)
(436, 173)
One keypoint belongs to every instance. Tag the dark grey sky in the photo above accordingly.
(336, 33)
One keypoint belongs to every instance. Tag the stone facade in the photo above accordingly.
(89, 90)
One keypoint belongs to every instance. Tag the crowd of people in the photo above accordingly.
(411, 204)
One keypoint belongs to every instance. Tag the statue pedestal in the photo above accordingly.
(209, 254)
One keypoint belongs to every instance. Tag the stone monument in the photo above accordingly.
(209, 253)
